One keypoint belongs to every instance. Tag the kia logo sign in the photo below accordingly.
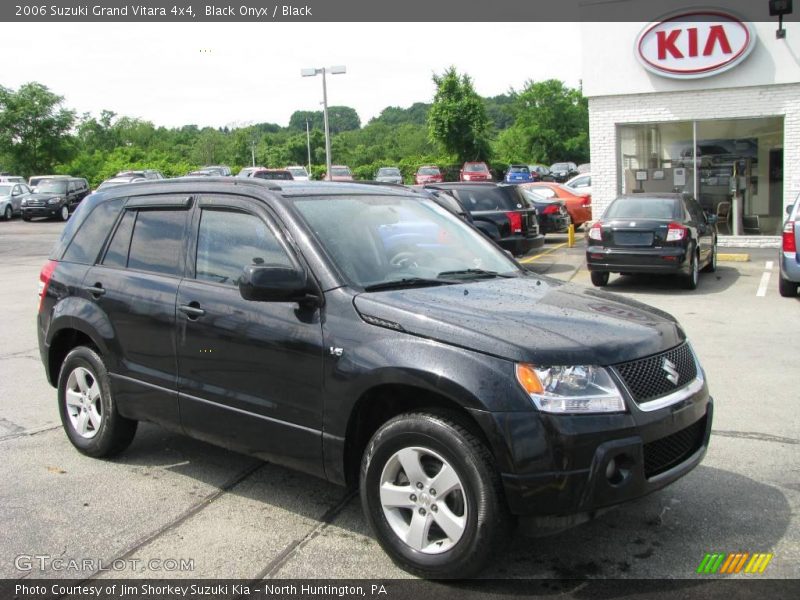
(695, 44)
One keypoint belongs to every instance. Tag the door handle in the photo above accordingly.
(192, 310)
(95, 290)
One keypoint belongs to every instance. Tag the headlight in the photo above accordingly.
(572, 389)
(24, 202)
(55, 200)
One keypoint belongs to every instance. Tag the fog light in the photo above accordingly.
(611, 469)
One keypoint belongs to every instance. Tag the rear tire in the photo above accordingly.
(787, 289)
(600, 278)
(451, 532)
(693, 277)
(87, 407)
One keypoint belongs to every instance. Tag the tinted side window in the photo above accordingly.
(117, 253)
(91, 235)
(157, 241)
(228, 241)
(695, 211)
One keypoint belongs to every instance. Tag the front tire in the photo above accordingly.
(712, 264)
(64, 213)
(87, 407)
(452, 531)
(600, 278)
(8, 213)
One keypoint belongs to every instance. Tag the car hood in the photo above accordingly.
(528, 319)
(44, 195)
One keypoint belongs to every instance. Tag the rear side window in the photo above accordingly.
(228, 241)
(489, 198)
(117, 253)
(92, 232)
(157, 241)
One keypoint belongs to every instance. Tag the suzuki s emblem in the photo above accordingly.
(672, 371)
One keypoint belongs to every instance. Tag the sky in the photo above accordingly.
(235, 74)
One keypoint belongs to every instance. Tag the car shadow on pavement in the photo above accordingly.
(663, 535)
(709, 283)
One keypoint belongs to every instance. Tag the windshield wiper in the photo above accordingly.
(475, 272)
(407, 282)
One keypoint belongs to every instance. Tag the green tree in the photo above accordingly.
(552, 124)
(457, 120)
(34, 128)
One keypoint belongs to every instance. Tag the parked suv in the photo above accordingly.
(55, 198)
(502, 212)
(364, 334)
(789, 256)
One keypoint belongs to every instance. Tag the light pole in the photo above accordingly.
(337, 70)
(308, 145)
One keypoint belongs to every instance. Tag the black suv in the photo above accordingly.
(366, 335)
(500, 211)
(57, 197)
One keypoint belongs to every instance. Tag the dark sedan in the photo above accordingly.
(551, 212)
(653, 233)
(501, 212)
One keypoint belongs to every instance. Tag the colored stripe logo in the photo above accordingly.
(734, 562)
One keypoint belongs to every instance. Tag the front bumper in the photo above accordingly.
(41, 211)
(559, 465)
(637, 260)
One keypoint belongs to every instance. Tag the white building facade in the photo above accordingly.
(704, 104)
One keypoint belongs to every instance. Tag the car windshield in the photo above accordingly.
(518, 169)
(5, 190)
(340, 171)
(645, 208)
(52, 186)
(476, 168)
(375, 240)
(536, 195)
(560, 167)
(298, 171)
(388, 172)
(429, 171)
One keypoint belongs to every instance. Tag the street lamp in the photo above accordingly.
(337, 70)
(308, 146)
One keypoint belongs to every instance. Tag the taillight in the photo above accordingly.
(676, 232)
(515, 219)
(789, 242)
(44, 280)
(550, 209)
(587, 201)
(596, 232)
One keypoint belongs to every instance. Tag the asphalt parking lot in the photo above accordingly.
(170, 497)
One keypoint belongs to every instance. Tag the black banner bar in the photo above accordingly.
(332, 11)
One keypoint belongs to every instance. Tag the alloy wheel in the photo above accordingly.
(84, 402)
(423, 500)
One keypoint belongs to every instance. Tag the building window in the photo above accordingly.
(734, 167)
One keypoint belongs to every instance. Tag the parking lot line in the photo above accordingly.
(529, 259)
(762, 287)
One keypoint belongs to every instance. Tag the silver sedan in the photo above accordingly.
(11, 197)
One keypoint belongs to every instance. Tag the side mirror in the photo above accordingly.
(272, 283)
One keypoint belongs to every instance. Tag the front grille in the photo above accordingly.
(663, 454)
(647, 378)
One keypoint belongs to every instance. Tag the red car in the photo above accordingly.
(475, 171)
(428, 174)
(579, 205)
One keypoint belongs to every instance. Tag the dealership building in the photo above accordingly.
(704, 103)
